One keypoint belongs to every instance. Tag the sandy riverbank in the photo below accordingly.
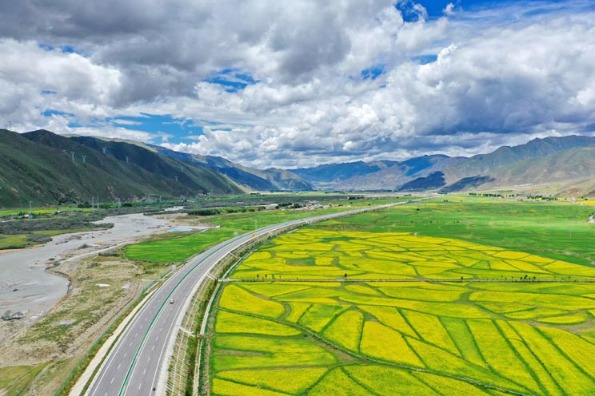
(26, 285)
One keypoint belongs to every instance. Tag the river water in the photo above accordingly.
(26, 286)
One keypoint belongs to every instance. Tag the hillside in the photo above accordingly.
(376, 175)
(250, 178)
(571, 171)
(46, 168)
(567, 163)
(193, 177)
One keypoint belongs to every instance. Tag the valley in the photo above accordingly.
(433, 293)
(303, 198)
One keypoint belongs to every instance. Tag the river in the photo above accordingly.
(26, 286)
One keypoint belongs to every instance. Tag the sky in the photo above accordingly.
(268, 83)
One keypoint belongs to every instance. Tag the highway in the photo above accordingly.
(136, 363)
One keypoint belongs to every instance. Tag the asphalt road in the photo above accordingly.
(134, 365)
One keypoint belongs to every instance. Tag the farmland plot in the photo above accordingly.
(394, 313)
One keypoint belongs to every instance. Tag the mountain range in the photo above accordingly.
(46, 168)
(550, 165)
(42, 167)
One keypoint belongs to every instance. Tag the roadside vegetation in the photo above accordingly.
(430, 296)
(17, 380)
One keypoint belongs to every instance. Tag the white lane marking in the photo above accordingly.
(144, 371)
(119, 347)
(140, 385)
(119, 365)
(112, 381)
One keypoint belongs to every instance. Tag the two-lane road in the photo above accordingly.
(135, 364)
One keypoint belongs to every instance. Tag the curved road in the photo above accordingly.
(136, 363)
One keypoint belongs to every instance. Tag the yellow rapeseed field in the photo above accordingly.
(565, 319)
(317, 316)
(375, 377)
(337, 312)
(346, 330)
(338, 383)
(222, 387)
(229, 322)
(282, 380)
(237, 299)
(234, 352)
(431, 330)
(449, 386)
(574, 379)
(382, 342)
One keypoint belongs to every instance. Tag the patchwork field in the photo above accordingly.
(168, 248)
(323, 254)
(320, 311)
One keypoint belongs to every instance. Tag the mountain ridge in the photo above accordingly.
(43, 167)
(489, 170)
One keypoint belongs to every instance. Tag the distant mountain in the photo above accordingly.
(505, 156)
(431, 182)
(252, 179)
(467, 183)
(377, 175)
(337, 172)
(571, 171)
(565, 161)
(44, 168)
(541, 161)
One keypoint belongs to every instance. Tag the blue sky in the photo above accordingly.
(305, 83)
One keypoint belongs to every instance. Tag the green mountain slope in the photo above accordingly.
(46, 169)
(252, 179)
(193, 177)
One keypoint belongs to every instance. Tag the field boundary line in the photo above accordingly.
(397, 280)
(288, 226)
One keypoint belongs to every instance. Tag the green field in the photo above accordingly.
(555, 230)
(17, 380)
(376, 307)
(175, 248)
(39, 211)
(17, 232)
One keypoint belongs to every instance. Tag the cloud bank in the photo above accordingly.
(295, 84)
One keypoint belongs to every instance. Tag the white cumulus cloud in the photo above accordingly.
(327, 81)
